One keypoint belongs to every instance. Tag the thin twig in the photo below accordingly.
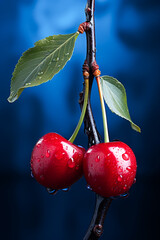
(95, 229)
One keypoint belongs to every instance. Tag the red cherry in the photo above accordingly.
(110, 168)
(55, 162)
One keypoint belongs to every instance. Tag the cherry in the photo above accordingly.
(110, 168)
(55, 162)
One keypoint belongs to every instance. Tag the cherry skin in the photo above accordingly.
(110, 168)
(55, 162)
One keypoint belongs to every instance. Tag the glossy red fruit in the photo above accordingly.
(55, 162)
(110, 168)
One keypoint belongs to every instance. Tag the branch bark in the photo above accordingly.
(95, 229)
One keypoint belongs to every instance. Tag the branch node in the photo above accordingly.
(84, 27)
(94, 66)
(98, 230)
(86, 75)
(97, 73)
(85, 67)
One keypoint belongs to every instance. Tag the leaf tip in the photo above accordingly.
(135, 127)
(12, 98)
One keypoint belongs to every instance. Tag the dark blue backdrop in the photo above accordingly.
(128, 48)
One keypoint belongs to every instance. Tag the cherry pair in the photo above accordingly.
(109, 168)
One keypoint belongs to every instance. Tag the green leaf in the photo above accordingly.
(115, 96)
(40, 63)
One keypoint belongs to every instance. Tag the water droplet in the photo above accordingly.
(125, 156)
(52, 191)
(120, 169)
(76, 156)
(120, 178)
(97, 159)
(108, 154)
(48, 153)
(71, 163)
(77, 167)
(89, 187)
(38, 160)
(38, 145)
(27, 84)
(134, 181)
(59, 155)
(124, 195)
(66, 189)
(32, 175)
(89, 129)
(125, 187)
(128, 168)
(42, 156)
(98, 229)
(40, 73)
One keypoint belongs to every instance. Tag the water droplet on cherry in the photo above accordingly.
(38, 160)
(76, 156)
(66, 189)
(48, 153)
(97, 159)
(52, 191)
(120, 169)
(124, 195)
(120, 178)
(77, 167)
(128, 168)
(59, 155)
(125, 156)
(125, 187)
(71, 163)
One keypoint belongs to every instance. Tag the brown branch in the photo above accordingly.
(95, 229)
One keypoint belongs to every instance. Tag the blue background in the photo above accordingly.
(128, 48)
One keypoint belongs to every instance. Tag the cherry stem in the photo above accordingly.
(104, 116)
(86, 87)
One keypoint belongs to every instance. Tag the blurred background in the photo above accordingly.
(128, 48)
